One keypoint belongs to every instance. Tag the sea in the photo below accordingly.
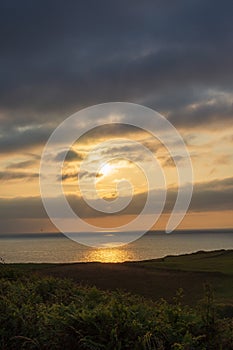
(57, 248)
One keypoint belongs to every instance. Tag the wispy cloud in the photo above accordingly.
(22, 165)
(16, 175)
(208, 196)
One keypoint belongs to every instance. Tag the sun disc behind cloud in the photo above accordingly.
(106, 169)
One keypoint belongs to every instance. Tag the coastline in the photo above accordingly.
(153, 279)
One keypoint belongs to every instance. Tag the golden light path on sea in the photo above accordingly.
(110, 255)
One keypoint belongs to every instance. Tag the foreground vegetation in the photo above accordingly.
(55, 313)
(153, 279)
(213, 267)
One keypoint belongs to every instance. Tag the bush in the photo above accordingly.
(48, 313)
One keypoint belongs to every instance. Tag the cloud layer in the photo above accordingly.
(58, 57)
(208, 196)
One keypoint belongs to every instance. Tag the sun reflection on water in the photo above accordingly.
(110, 255)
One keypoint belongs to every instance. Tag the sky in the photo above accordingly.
(58, 57)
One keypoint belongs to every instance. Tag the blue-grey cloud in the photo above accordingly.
(17, 175)
(57, 58)
(14, 139)
(22, 165)
(207, 196)
(70, 156)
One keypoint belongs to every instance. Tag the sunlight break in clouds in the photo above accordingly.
(69, 222)
(53, 66)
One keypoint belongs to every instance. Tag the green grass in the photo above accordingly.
(153, 279)
(40, 312)
(216, 261)
(215, 267)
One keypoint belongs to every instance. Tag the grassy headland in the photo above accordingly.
(56, 306)
(154, 279)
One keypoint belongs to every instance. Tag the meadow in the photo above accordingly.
(44, 307)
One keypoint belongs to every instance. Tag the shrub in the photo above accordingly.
(49, 313)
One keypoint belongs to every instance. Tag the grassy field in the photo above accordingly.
(215, 261)
(154, 279)
(214, 268)
(56, 306)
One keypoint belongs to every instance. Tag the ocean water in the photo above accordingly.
(56, 248)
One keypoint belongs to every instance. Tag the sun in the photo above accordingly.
(106, 169)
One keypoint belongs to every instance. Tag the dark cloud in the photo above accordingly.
(89, 174)
(212, 109)
(217, 184)
(131, 153)
(58, 57)
(22, 208)
(73, 175)
(17, 139)
(68, 176)
(71, 156)
(170, 162)
(11, 175)
(213, 195)
(207, 196)
(22, 165)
